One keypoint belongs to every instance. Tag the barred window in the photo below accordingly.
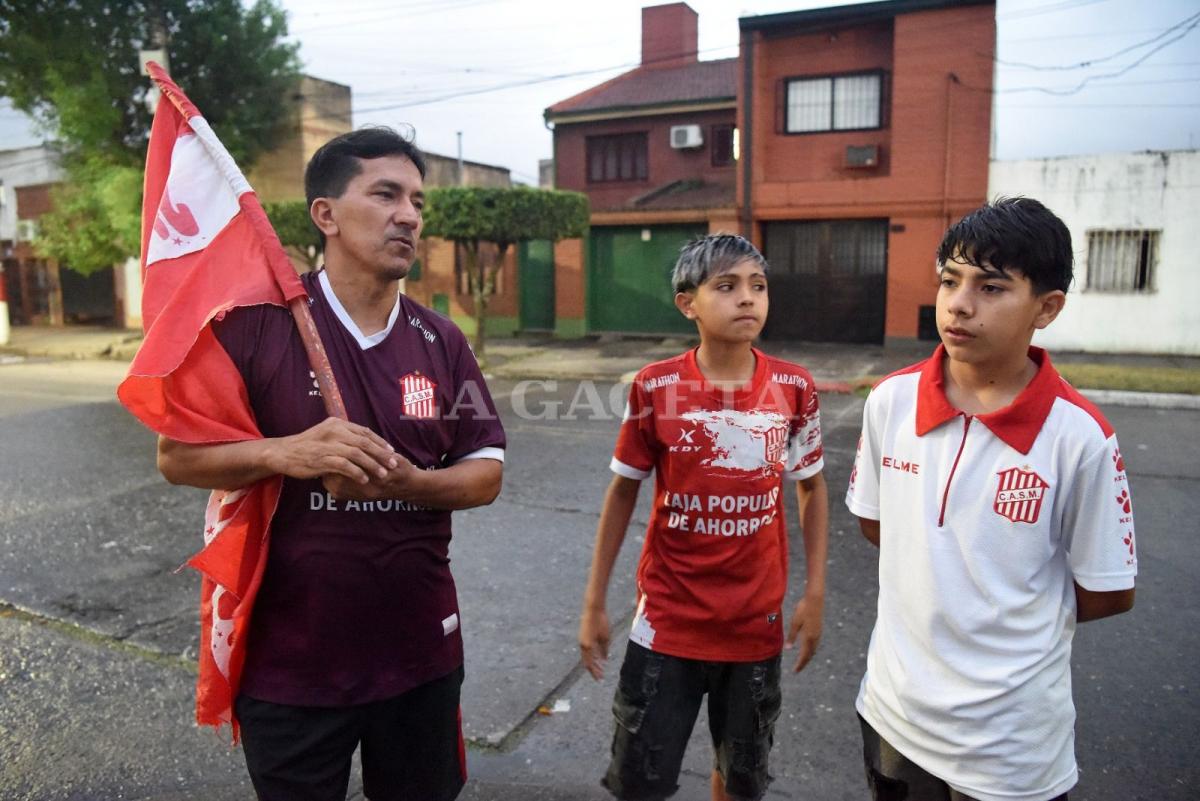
(1121, 261)
(841, 103)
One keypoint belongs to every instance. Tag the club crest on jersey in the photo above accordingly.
(775, 440)
(1020, 495)
(419, 397)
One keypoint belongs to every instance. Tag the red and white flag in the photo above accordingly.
(207, 247)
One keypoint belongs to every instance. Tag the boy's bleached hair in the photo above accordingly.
(712, 255)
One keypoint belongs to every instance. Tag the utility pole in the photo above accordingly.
(156, 52)
(4, 330)
(461, 177)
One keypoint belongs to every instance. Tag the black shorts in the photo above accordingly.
(657, 700)
(893, 777)
(412, 746)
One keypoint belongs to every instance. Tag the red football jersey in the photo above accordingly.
(713, 569)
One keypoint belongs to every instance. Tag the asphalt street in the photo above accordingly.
(98, 626)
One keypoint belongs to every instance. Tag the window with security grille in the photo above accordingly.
(1121, 261)
(835, 103)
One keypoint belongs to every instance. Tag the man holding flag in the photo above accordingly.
(344, 632)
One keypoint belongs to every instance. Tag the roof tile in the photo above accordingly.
(652, 86)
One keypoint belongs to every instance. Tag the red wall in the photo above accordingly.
(664, 163)
(786, 158)
(935, 139)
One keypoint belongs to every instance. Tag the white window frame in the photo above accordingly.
(825, 89)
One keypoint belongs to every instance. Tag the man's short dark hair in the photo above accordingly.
(334, 165)
(1013, 233)
(712, 255)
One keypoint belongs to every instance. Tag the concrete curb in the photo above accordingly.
(1102, 397)
(533, 366)
(114, 351)
(1152, 400)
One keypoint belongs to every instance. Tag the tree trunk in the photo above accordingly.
(476, 272)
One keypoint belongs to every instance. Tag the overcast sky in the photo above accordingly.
(488, 68)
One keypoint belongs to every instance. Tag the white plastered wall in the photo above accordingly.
(1121, 191)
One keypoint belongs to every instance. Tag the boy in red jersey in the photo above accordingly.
(721, 427)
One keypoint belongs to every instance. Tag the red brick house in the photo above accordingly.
(653, 149)
(865, 132)
(861, 132)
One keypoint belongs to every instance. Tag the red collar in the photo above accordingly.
(1018, 424)
(761, 372)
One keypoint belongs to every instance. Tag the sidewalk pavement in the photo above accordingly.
(837, 367)
(71, 342)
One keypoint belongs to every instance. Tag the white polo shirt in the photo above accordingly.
(985, 523)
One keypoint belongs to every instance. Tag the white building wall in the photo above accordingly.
(129, 275)
(26, 166)
(1121, 191)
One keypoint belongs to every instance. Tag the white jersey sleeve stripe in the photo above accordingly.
(622, 469)
(483, 453)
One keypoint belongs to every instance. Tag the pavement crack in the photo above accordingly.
(510, 741)
(93, 637)
(570, 510)
(143, 626)
(546, 507)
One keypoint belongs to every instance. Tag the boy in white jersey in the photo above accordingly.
(724, 428)
(998, 499)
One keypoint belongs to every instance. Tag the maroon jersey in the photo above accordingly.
(357, 602)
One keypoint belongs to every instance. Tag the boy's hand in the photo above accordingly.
(806, 623)
(593, 641)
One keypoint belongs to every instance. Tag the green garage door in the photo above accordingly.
(629, 278)
(536, 259)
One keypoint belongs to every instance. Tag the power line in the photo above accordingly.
(430, 8)
(1038, 10)
(1193, 19)
(1062, 106)
(1093, 35)
(515, 84)
(1189, 25)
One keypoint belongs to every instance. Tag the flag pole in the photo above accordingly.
(318, 359)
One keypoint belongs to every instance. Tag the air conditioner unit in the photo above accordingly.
(686, 136)
(862, 156)
(27, 230)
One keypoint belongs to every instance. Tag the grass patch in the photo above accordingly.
(1087, 375)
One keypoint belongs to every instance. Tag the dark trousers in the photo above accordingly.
(412, 746)
(893, 777)
(657, 700)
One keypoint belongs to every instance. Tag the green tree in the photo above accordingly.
(96, 219)
(72, 65)
(470, 216)
(292, 223)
